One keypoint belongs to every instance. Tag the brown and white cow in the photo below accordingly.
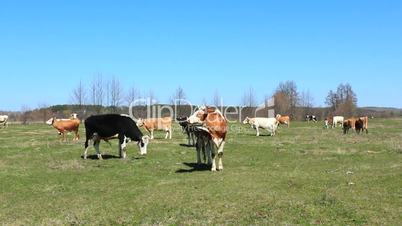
(217, 125)
(65, 125)
(152, 124)
(4, 120)
(283, 119)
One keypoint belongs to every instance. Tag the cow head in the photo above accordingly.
(246, 120)
(199, 115)
(74, 116)
(143, 145)
(278, 116)
(140, 122)
(50, 121)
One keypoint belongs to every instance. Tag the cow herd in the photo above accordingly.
(206, 130)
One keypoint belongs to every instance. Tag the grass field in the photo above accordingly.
(303, 176)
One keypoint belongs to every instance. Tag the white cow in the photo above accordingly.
(270, 124)
(4, 120)
(338, 120)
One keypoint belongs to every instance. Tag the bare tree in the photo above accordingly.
(289, 89)
(133, 95)
(217, 100)
(78, 95)
(282, 103)
(43, 109)
(343, 101)
(97, 92)
(249, 98)
(178, 97)
(25, 114)
(116, 93)
(306, 99)
(151, 98)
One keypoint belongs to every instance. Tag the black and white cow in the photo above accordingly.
(203, 144)
(187, 129)
(310, 118)
(113, 126)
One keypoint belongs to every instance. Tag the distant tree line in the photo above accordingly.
(108, 96)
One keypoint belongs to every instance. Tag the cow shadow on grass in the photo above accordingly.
(194, 168)
(187, 145)
(104, 157)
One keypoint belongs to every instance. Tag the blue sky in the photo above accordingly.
(46, 47)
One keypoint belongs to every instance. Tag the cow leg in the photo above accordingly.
(220, 145)
(96, 140)
(96, 145)
(122, 146)
(77, 135)
(192, 136)
(198, 148)
(170, 133)
(258, 131)
(86, 148)
(152, 134)
(204, 150)
(220, 156)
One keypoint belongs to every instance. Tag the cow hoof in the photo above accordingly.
(100, 157)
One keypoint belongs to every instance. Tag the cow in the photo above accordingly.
(283, 119)
(153, 124)
(328, 121)
(348, 124)
(64, 126)
(337, 120)
(364, 120)
(114, 126)
(203, 143)
(310, 118)
(187, 128)
(4, 121)
(270, 124)
(360, 124)
(217, 125)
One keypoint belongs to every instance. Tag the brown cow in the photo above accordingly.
(152, 124)
(217, 126)
(359, 124)
(364, 120)
(65, 125)
(283, 119)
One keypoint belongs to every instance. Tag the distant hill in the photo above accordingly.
(381, 109)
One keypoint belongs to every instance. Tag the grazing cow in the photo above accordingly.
(65, 125)
(270, 124)
(187, 128)
(217, 126)
(4, 121)
(203, 144)
(283, 119)
(310, 118)
(337, 120)
(348, 124)
(153, 124)
(113, 126)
